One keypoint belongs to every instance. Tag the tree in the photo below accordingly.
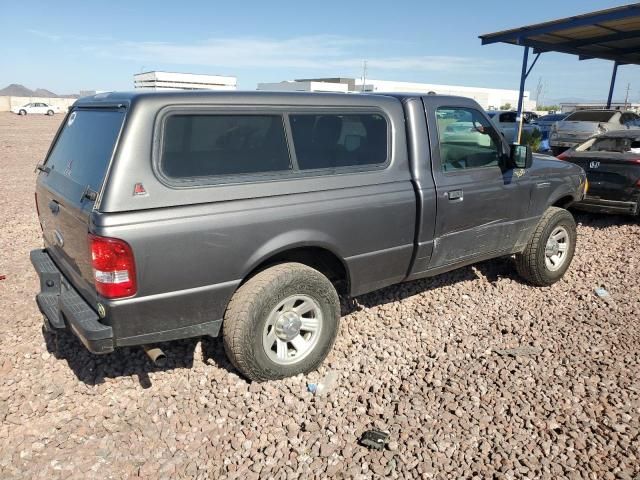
(506, 106)
(533, 139)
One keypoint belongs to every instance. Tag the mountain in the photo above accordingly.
(16, 90)
(43, 92)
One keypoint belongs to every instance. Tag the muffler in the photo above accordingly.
(155, 354)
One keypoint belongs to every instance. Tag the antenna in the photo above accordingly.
(626, 97)
(364, 75)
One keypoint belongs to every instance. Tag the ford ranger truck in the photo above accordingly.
(168, 215)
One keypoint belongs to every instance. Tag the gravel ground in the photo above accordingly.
(418, 360)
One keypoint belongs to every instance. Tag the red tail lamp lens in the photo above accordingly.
(114, 268)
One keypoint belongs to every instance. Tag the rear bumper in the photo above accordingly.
(63, 307)
(595, 204)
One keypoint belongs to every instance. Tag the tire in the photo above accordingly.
(249, 326)
(535, 263)
(50, 113)
(22, 112)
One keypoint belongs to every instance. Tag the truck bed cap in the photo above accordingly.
(195, 96)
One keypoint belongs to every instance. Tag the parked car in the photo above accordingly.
(546, 122)
(507, 124)
(168, 215)
(530, 117)
(584, 124)
(612, 163)
(38, 108)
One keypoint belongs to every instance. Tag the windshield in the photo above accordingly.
(598, 116)
(551, 118)
(85, 145)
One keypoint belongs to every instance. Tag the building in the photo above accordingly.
(183, 81)
(572, 107)
(305, 86)
(488, 98)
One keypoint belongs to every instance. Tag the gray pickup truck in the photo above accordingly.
(175, 215)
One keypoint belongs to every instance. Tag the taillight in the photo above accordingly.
(562, 156)
(114, 268)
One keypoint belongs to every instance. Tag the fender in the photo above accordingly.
(291, 240)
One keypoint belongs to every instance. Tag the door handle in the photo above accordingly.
(54, 207)
(455, 195)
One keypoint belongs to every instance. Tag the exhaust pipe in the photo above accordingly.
(155, 354)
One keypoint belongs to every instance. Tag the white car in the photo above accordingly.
(37, 108)
(584, 124)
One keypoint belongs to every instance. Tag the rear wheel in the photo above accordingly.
(550, 250)
(50, 112)
(281, 322)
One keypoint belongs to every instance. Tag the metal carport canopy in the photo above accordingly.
(612, 34)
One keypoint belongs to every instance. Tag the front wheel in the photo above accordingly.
(283, 321)
(22, 112)
(50, 113)
(550, 250)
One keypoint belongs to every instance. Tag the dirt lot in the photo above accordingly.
(417, 360)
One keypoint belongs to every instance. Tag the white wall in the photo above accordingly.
(492, 98)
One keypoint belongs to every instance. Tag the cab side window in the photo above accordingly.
(467, 139)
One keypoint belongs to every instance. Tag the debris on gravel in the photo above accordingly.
(514, 352)
(415, 360)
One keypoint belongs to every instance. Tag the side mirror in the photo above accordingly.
(521, 156)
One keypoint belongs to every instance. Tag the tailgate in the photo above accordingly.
(580, 129)
(67, 186)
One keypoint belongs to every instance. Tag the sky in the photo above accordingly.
(67, 46)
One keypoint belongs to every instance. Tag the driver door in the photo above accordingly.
(480, 200)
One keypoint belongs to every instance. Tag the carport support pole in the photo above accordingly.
(613, 84)
(523, 78)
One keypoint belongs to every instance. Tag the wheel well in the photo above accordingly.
(563, 202)
(323, 260)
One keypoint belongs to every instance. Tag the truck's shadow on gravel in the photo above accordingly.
(132, 362)
(492, 269)
(603, 221)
